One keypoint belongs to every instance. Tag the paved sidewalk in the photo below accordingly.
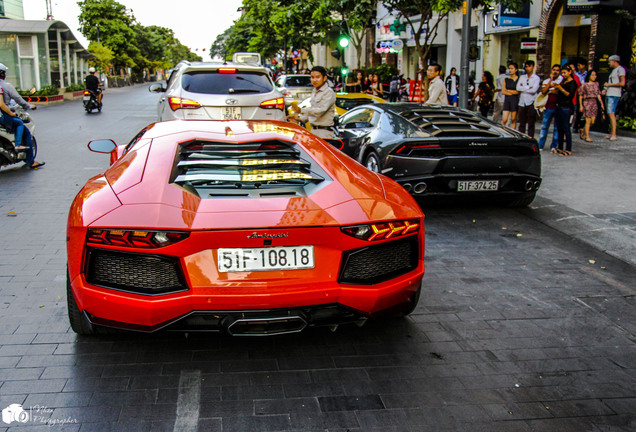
(591, 195)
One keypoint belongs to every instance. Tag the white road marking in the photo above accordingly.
(188, 401)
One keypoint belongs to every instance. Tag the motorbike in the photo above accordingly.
(8, 154)
(91, 103)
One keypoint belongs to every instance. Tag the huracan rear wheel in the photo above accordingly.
(372, 162)
(79, 323)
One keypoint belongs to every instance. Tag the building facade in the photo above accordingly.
(41, 53)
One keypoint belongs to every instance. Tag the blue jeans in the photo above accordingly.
(563, 115)
(17, 126)
(548, 115)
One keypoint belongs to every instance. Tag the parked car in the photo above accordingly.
(219, 91)
(249, 227)
(442, 151)
(294, 87)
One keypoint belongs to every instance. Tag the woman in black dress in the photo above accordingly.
(511, 96)
(485, 92)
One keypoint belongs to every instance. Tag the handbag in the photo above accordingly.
(541, 101)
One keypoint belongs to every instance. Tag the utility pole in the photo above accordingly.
(465, 63)
(49, 10)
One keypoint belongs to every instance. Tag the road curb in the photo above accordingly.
(615, 240)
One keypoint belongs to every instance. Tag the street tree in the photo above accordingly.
(431, 13)
(357, 14)
(219, 46)
(103, 56)
(110, 23)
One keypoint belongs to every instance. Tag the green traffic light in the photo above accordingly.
(343, 41)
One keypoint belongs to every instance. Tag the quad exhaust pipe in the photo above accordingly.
(420, 188)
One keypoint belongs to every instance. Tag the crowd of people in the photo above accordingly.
(571, 97)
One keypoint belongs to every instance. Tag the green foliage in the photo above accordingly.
(74, 87)
(103, 56)
(48, 90)
(627, 123)
(385, 72)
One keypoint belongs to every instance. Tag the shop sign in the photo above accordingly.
(387, 46)
(581, 6)
(529, 45)
(508, 17)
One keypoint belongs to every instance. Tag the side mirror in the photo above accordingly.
(102, 146)
(157, 88)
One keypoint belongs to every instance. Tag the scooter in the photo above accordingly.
(8, 154)
(91, 103)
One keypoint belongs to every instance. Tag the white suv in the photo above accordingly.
(219, 91)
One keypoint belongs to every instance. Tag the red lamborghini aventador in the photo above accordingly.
(249, 227)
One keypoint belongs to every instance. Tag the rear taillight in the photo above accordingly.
(180, 103)
(383, 231)
(87, 93)
(404, 149)
(135, 238)
(278, 103)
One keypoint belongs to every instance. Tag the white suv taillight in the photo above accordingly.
(180, 103)
(278, 103)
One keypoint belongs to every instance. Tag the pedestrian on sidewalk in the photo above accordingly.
(394, 89)
(580, 74)
(589, 100)
(549, 88)
(612, 91)
(528, 86)
(484, 94)
(499, 99)
(566, 91)
(511, 96)
(436, 89)
(452, 87)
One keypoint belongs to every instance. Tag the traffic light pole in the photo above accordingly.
(465, 63)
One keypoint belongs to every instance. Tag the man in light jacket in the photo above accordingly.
(436, 88)
(527, 86)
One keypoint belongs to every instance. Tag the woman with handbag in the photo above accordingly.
(589, 97)
(485, 93)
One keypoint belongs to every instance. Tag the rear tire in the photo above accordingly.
(79, 323)
(372, 162)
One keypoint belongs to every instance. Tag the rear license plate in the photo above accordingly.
(477, 185)
(265, 259)
(231, 113)
(86, 98)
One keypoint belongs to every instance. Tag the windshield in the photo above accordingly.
(212, 82)
(347, 104)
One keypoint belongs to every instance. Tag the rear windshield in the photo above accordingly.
(212, 82)
(299, 81)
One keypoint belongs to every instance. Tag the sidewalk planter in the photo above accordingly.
(44, 100)
(73, 95)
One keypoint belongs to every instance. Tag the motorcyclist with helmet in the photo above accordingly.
(93, 85)
(12, 122)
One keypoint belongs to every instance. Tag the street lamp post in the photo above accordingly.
(465, 64)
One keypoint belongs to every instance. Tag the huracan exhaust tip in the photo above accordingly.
(529, 185)
(266, 326)
(420, 188)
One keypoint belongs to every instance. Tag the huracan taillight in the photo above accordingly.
(278, 103)
(135, 238)
(383, 231)
(180, 103)
(409, 147)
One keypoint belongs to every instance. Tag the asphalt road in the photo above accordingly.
(520, 327)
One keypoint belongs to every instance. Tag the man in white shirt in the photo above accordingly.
(612, 90)
(436, 88)
(527, 86)
(322, 104)
(499, 99)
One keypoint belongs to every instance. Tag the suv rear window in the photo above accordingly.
(212, 82)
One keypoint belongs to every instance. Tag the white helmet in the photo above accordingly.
(3, 68)
(91, 69)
